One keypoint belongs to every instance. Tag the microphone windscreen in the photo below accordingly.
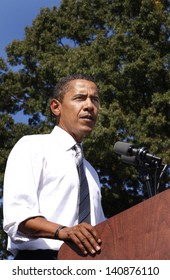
(129, 160)
(122, 148)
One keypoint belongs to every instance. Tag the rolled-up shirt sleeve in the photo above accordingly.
(21, 183)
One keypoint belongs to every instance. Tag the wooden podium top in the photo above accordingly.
(139, 233)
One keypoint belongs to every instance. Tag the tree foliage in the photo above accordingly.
(125, 46)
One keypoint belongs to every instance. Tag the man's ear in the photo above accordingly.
(55, 107)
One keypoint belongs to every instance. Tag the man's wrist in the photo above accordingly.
(57, 231)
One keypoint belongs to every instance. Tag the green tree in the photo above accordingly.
(125, 46)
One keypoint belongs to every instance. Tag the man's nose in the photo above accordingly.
(89, 104)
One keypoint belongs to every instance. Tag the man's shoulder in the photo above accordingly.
(33, 138)
(32, 141)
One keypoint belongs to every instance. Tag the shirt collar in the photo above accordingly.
(65, 139)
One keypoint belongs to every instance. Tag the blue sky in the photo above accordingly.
(15, 15)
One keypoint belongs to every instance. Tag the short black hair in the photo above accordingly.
(62, 86)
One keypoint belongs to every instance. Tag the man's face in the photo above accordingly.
(79, 108)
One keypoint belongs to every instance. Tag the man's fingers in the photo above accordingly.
(90, 241)
(79, 244)
(85, 237)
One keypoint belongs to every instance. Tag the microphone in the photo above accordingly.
(130, 160)
(132, 155)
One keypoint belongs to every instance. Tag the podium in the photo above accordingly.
(141, 232)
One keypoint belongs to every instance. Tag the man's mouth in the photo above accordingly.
(88, 117)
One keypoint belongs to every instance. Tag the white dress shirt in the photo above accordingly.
(41, 179)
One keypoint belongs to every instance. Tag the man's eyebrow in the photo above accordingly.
(82, 92)
(86, 94)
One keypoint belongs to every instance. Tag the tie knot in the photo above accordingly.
(79, 153)
(78, 147)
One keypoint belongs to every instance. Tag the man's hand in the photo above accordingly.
(84, 236)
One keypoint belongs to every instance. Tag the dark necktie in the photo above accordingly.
(84, 199)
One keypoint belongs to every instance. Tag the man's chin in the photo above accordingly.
(88, 128)
(87, 131)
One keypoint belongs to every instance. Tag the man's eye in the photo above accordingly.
(96, 99)
(80, 98)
